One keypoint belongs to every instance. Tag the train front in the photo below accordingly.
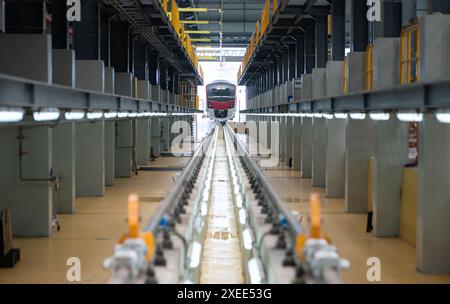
(221, 100)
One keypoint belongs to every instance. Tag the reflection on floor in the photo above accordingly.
(347, 231)
(92, 232)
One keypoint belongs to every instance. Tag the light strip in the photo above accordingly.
(328, 116)
(380, 116)
(247, 238)
(110, 115)
(358, 116)
(11, 115)
(410, 117)
(196, 250)
(341, 115)
(255, 271)
(46, 115)
(74, 115)
(94, 115)
(443, 117)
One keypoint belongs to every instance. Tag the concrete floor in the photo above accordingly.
(92, 232)
(347, 231)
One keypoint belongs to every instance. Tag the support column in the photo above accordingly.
(143, 141)
(289, 141)
(125, 144)
(319, 137)
(90, 159)
(306, 148)
(309, 26)
(360, 33)
(156, 137)
(391, 155)
(321, 41)
(64, 167)
(283, 128)
(29, 200)
(110, 148)
(433, 226)
(359, 148)
(338, 30)
(297, 142)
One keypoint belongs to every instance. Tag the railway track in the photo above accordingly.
(222, 222)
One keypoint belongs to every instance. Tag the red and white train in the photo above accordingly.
(221, 100)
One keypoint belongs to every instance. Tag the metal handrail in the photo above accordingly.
(272, 195)
(168, 203)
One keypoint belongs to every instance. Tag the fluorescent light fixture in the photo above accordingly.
(94, 115)
(309, 115)
(380, 116)
(358, 116)
(122, 114)
(46, 115)
(328, 116)
(255, 271)
(110, 115)
(11, 115)
(134, 114)
(247, 239)
(195, 252)
(410, 117)
(140, 114)
(242, 216)
(341, 115)
(204, 209)
(74, 115)
(443, 117)
(318, 115)
(239, 201)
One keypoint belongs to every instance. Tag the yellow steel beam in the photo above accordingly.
(193, 9)
(207, 58)
(198, 32)
(201, 39)
(195, 21)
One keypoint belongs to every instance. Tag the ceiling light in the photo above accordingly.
(380, 116)
(46, 115)
(358, 116)
(410, 117)
(94, 115)
(341, 115)
(443, 117)
(11, 115)
(328, 116)
(110, 115)
(74, 115)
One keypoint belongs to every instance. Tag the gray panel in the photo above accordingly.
(26, 55)
(90, 159)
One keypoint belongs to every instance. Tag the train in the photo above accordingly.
(221, 100)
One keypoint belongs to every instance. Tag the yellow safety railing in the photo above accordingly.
(173, 13)
(370, 67)
(410, 54)
(261, 27)
(175, 16)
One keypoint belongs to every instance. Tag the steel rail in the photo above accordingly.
(174, 194)
(272, 196)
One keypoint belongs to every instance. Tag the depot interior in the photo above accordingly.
(354, 108)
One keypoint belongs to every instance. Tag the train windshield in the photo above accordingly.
(221, 93)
